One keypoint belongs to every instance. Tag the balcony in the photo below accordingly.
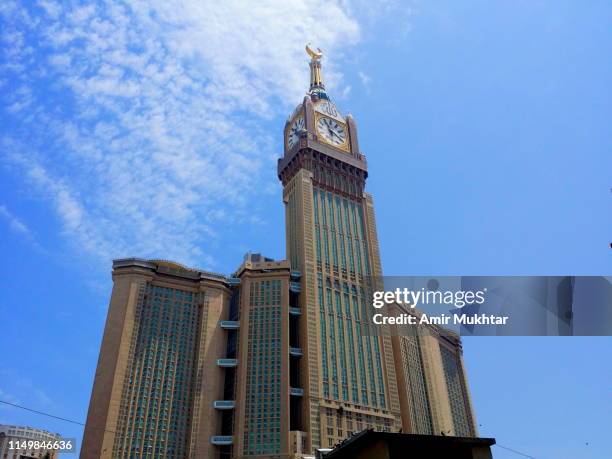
(230, 324)
(295, 274)
(222, 440)
(227, 363)
(232, 281)
(295, 352)
(295, 287)
(296, 391)
(224, 404)
(295, 311)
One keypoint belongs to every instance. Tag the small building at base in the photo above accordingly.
(369, 444)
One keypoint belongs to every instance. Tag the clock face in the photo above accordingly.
(294, 131)
(332, 131)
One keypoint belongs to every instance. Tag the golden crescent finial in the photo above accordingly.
(314, 54)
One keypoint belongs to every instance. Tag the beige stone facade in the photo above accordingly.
(434, 394)
(158, 360)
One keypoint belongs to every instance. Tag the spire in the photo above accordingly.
(317, 88)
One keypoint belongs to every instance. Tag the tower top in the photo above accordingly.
(317, 88)
(315, 55)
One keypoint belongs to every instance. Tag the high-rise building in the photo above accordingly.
(157, 375)
(348, 376)
(275, 360)
(434, 395)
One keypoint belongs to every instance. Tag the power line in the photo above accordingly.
(514, 451)
(79, 423)
(42, 412)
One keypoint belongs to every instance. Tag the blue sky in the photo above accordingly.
(152, 129)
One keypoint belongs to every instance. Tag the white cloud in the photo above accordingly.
(365, 79)
(138, 120)
(14, 223)
(52, 8)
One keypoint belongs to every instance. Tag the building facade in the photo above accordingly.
(19, 442)
(157, 374)
(348, 377)
(434, 395)
(275, 360)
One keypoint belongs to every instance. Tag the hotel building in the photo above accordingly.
(275, 360)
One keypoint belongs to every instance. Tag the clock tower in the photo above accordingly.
(275, 360)
(348, 377)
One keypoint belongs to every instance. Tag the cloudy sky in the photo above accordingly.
(152, 129)
(125, 115)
